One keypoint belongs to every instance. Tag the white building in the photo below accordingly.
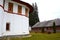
(14, 17)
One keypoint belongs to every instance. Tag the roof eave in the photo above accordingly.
(26, 4)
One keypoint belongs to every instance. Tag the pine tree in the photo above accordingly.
(54, 27)
(33, 17)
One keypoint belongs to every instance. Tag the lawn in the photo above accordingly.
(40, 36)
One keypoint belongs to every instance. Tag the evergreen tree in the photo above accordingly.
(33, 17)
(54, 27)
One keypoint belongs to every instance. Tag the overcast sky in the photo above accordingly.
(48, 9)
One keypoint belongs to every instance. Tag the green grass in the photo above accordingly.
(40, 36)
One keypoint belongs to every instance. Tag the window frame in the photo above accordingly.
(10, 7)
(7, 26)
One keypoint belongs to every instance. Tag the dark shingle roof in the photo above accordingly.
(47, 23)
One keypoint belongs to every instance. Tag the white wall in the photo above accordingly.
(1, 2)
(1, 20)
(29, 28)
(15, 8)
(23, 10)
(18, 24)
(6, 5)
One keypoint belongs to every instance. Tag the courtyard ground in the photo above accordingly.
(41, 36)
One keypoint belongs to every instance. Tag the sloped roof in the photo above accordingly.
(26, 4)
(47, 23)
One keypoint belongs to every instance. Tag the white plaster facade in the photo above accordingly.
(19, 25)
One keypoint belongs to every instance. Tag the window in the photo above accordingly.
(19, 9)
(26, 11)
(7, 26)
(10, 7)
